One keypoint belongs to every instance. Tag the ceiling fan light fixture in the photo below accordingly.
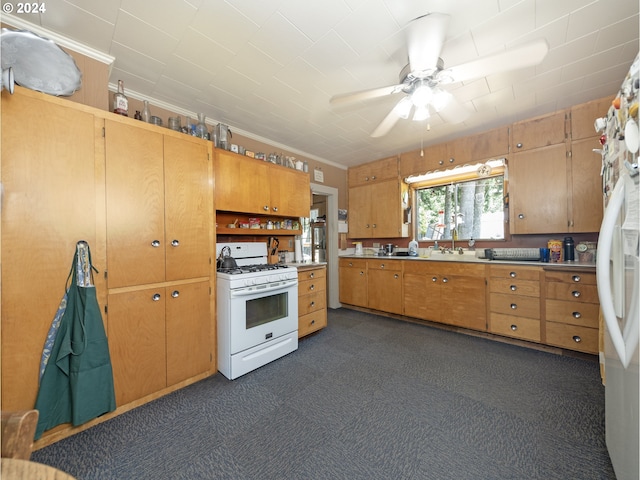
(403, 108)
(422, 95)
(421, 113)
(441, 99)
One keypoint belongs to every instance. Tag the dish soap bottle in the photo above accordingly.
(413, 248)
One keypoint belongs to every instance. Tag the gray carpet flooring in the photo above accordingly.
(368, 397)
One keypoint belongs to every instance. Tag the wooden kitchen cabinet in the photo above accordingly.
(447, 292)
(384, 285)
(586, 187)
(465, 150)
(118, 184)
(572, 309)
(380, 170)
(312, 299)
(248, 185)
(514, 301)
(353, 281)
(49, 165)
(583, 117)
(377, 210)
(538, 190)
(157, 206)
(539, 132)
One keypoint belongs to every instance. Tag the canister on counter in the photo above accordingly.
(555, 250)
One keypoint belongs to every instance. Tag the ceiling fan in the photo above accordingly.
(421, 79)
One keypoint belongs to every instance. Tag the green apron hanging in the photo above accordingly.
(76, 383)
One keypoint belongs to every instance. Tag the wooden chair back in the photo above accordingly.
(18, 432)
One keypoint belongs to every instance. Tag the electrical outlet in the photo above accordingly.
(376, 245)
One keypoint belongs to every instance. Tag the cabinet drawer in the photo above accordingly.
(528, 288)
(573, 337)
(311, 286)
(515, 305)
(515, 272)
(570, 277)
(312, 302)
(572, 292)
(394, 265)
(316, 274)
(573, 313)
(518, 327)
(353, 263)
(311, 322)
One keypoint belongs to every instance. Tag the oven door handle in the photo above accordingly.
(245, 292)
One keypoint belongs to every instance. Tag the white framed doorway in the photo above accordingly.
(333, 287)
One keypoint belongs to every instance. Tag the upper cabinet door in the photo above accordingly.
(538, 190)
(135, 205)
(539, 132)
(187, 203)
(290, 195)
(242, 184)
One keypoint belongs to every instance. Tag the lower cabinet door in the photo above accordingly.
(136, 332)
(190, 348)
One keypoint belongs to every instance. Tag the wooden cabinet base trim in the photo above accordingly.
(66, 430)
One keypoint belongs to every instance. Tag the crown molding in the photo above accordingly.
(61, 40)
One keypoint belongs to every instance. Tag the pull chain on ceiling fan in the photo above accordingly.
(421, 79)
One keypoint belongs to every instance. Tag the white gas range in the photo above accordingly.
(257, 307)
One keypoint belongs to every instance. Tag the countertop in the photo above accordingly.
(306, 265)
(469, 257)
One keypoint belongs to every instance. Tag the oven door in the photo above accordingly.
(261, 313)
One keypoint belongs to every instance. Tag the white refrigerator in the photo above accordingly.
(617, 268)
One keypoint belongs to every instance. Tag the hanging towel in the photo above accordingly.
(77, 382)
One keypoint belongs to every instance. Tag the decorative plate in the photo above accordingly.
(38, 63)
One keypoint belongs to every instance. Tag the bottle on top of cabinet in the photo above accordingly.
(120, 101)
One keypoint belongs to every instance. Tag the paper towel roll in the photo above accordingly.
(298, 250)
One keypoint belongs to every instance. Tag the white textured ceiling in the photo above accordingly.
(269, 68)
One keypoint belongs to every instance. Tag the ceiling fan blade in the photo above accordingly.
(454, 112)
(345, 98)
(425, 37)
(512, 59)
(386, 125)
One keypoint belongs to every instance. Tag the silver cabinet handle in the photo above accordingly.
(175, 294)
(156, 297)
(361, 272)
(521, 216)
(275, 209)
(445, 280)
(513, 288)
(577, 339)
(366, 179)
(576, 293)
(175, 243)
(434, 279)
(155, 243)
(382, 265)
(518, 145)
(373, 177)
(395, 276)
(513, 274)
(312, 274)
(313, 304)
(366, 226)
(313, 322)
(576, 278)
(576, 314)
(312, 286)
(374, 225)
(351, 264)
(514, 327)
(514, 306)
(266, 208)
